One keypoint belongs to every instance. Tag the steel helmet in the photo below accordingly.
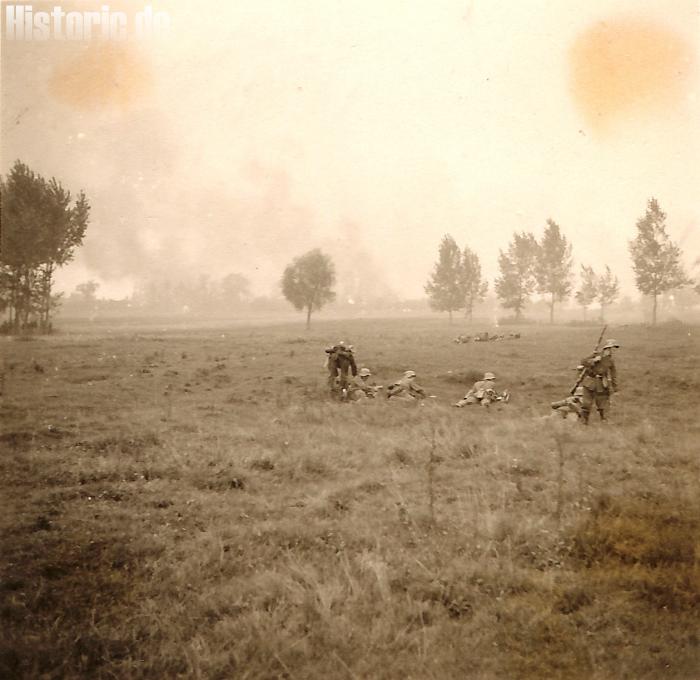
(489, 376)
(409, 374)
(364, 373)
(610, 343)
(578, 392)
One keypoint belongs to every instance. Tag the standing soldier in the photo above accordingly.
(599, 381)
(406, 389)
(340, 361)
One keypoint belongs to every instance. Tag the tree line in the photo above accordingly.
(42, 226)
(545, 267)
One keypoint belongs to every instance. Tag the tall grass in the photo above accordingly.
(200, 521)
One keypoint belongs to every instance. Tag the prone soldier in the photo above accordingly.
(483, 392)
(570, 405)
(406, 389)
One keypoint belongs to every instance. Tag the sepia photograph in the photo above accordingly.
(353, 340)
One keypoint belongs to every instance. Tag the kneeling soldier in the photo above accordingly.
(360, 388)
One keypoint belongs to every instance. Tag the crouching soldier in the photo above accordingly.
(569, 407)
(360, 388)
(340, 362)
(483, 392)
(599, 381)
(406, 389)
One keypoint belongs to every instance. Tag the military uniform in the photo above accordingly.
(405, 389)
(360, 389)
(570, 405)
(483, 392)
(340, 362)
(599, 381)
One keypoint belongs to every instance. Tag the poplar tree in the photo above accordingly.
(475, 286)
(517, 279)
(656, 260)
(553, 266)
(446, 288)
(608, 290)
(41, 228)
(588, 290)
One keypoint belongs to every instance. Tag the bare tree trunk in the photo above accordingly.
(46, 284)
(653, 312)
(308, 317)
(551, 309)
(450, 313)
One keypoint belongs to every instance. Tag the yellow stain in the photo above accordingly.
(103, 75)
(628, 68)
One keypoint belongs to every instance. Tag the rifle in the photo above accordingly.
(582, 374)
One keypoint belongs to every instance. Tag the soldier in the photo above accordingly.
(360, 388)
(340, 360)
(570, 405)
(406, 389)
(483, 392)
(599, 381)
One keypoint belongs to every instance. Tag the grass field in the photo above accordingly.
(190, 504)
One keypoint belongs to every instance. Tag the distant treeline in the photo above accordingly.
(42, 226)
(546, 267)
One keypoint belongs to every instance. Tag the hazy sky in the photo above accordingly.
(259, 129)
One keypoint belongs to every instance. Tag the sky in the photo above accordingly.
(255, 130)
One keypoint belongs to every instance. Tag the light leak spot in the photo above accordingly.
(626, 69)
(101, 76)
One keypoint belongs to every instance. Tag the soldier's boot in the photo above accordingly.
(601, 413)
(584, 416)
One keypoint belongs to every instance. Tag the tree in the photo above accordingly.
(608, 290)
(307, 282)
(517, 280)
(235, 289)
(553, 267)
(88, 290)
(655, 258)
(588, 291)
(474, 286)
(40, 231)
(445, 288)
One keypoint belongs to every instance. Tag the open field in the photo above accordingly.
(190, 504)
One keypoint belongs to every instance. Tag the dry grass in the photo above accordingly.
(189, 504)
